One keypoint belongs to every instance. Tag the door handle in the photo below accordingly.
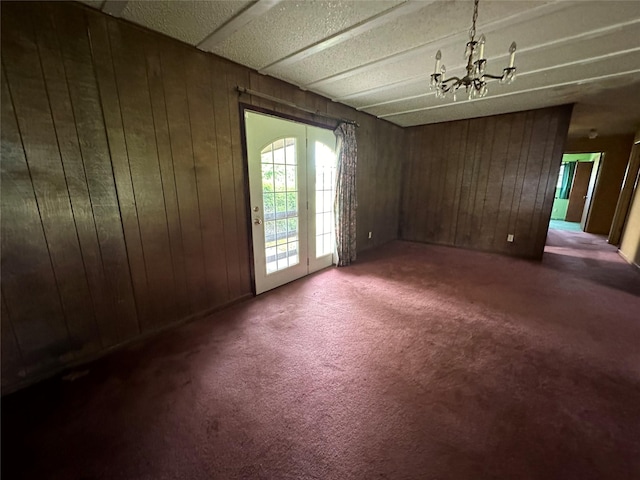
(257, 221)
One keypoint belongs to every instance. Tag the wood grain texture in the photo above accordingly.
(124, 183)
(483, 179)
(220, 108)
(238, 76)
(178, 115)
(28, 282)
(129, 67)
(121, 172)
(41, 147)
(167, 174)
(100, 230)
(207, 170)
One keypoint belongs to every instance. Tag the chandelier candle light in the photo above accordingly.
(475, 81)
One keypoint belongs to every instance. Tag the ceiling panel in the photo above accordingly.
(292, 25)
(613, 45)
(189, 21)
(535, 84)
(403, 34)
(553, 28)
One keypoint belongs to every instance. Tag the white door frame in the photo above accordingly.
(261, 130)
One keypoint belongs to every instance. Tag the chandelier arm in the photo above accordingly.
(453, 86)
(495, 77)
(451, 79)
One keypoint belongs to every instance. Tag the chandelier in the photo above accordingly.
(475, 81)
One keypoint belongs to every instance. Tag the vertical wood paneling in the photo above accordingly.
(532, 178)
(522, 168)
(220, 108)
(55, 78)
(462, 236)
(509, 179)
(167, 176)
(107, 263)
(459, 161)
(548, 175)
(124, 187)
(450, 182)
(387, 202)
(489, 177)
(429, 183)
(366, 180)
(112, 114)
(35, 122)
(495, 181)
(420, 183)
(482, 179)
(178, 116)
(208, 183)
(129, 63)
(38, 320)
(554, 171)
(237, 76)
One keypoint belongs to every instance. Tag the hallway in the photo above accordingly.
(589, 257)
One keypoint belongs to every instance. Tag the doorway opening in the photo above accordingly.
(292, 170)
(574, 191)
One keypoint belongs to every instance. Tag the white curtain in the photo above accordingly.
(346, 201)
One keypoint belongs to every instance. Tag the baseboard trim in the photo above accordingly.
(627, 259)
(46, 374)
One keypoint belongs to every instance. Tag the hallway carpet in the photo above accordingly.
(417, 362)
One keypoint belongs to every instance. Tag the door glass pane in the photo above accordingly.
(280, 204)
(325, 175)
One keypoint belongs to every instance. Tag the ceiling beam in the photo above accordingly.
(386, 16)
(243, 18)
(518, 92)
(533, 48)
(114, 7)
(440, 42)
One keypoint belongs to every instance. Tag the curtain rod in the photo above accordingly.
(293, 105)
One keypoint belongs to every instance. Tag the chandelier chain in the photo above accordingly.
(472, 32)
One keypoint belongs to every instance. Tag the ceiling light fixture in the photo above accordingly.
(475, 81)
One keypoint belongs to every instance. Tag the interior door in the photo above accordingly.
(291, 184)
(578, 194)
(589, 196)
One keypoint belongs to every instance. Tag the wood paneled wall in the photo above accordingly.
(123, 183)
(470, 183)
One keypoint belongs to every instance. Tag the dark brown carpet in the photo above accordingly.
(417, 362)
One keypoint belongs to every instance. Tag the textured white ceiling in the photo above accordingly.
(290, 25)
(377, 55)
(189, 21)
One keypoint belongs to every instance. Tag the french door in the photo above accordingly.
(292, 169)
